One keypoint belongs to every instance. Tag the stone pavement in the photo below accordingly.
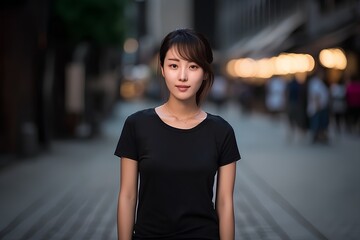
(292, 189)
(284, 189)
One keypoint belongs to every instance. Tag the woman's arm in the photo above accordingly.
(127, 198)
(224, 201)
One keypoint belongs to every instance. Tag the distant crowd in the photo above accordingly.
(316, 102)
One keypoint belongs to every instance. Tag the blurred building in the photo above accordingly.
(256, 29)
(264, 28)
(50, 87)
(23, 42)
(39, 99)
(156, 18)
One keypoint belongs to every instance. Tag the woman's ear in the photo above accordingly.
(162, 71)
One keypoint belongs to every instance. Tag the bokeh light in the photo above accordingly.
(131, 45)
(333, 58)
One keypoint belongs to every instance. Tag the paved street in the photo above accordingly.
(285, 189)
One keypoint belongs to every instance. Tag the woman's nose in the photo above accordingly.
(183, 75)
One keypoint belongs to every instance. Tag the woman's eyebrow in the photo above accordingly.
(174, 59)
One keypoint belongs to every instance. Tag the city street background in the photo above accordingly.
(72, 71)
(286, 188)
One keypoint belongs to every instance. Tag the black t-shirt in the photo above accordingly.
(177, 169)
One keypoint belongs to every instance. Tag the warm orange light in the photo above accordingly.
(283, 64)
(265, 68)
(333, 58)
(341, 59)
(257, 71)
(311, 62)
(131, 45)
(230, 68)
(245, 67)
(131, 89)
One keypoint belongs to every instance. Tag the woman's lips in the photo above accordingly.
(182, 88)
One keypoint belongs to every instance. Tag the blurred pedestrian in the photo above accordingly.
(275, 95)
(295, 106)
(218, 91)
(244, 95)
(338, 103)
(318, 107)
(353, 103)
(176, 149)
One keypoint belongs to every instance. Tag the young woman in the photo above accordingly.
(171, 154)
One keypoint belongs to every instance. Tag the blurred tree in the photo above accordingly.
(90, 32)
(97, 21)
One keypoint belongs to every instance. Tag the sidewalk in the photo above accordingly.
(308, 191)
(284, 190)
(67, 193)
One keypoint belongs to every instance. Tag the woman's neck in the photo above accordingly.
(181, 109)
(181, 115)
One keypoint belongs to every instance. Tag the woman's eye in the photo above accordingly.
(173, 66)
(194, 67)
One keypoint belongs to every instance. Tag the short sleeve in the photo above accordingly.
(126, 146)
(229, 151)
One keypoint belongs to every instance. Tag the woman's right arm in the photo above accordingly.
(127, 198)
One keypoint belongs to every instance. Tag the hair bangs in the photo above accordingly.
(187, 51)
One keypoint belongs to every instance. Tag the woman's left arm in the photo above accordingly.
(224, 201)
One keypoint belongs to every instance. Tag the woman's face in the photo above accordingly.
(183, 78)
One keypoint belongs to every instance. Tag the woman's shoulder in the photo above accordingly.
(141, 115)
(218, 121)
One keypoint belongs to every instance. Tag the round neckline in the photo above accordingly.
(181, 129)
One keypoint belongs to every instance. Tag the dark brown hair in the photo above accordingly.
(191, 46)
